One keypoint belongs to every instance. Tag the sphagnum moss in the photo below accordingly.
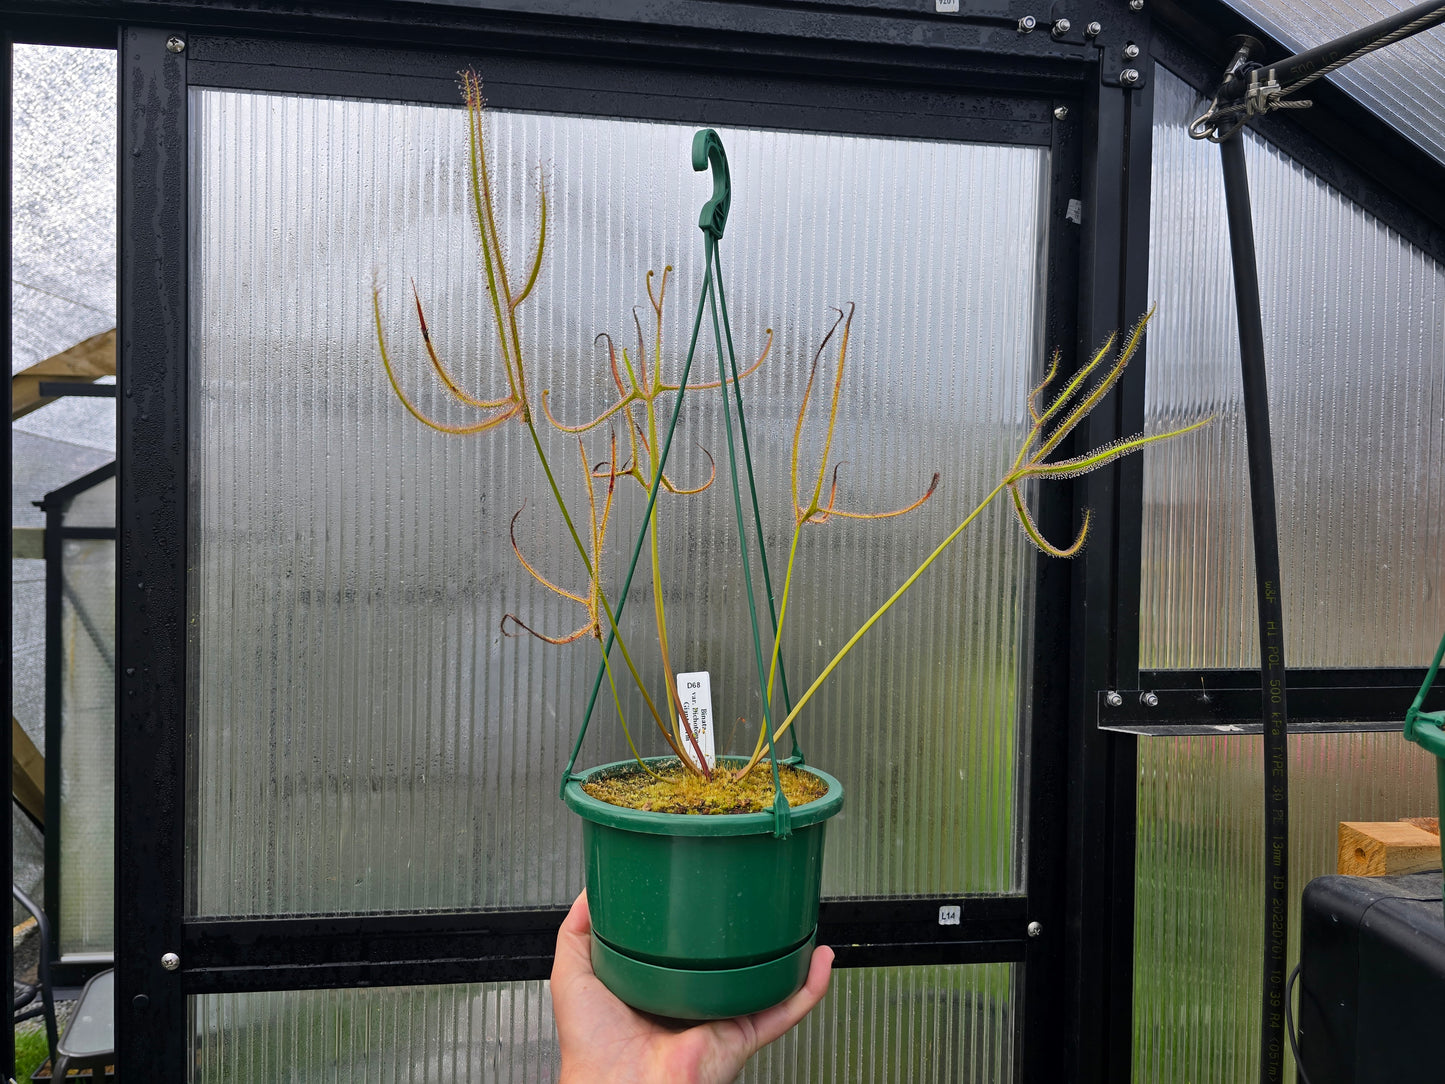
(677, 790)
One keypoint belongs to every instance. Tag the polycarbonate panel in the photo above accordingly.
(63, 263)
(1356, 368)
(1199, 884)
(87, 746)
(1404, 83)
(924, 1025)
(364, 738)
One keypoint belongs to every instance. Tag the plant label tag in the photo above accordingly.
(949, 915)
(695, 692)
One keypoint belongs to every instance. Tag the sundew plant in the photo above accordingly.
(627, 444)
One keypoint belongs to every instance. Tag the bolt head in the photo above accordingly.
(175, 45)
(170, 961)
(1035, 929)
(1151, 700)
(1129, 76)
(1060, 28)
(1093, 30)
(1136, 5)
(1061, 112)
(1027, 23)
(1113, 699)
(1131, 51)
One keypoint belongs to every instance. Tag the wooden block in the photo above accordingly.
(1380, 848)
(1430, 824)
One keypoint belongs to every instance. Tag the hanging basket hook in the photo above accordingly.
(707, 148)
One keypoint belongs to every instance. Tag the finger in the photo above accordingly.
(771, 1023)
(579, 919)
(574, 945)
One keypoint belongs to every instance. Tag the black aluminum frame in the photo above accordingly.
(55, 505)
(253, 954)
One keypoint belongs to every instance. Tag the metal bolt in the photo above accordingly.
(1113, 699)
(1129, 76)
(170, 961)
(1136, 5)
(1131, 51)
(1027, 23)
(1061, 112)
(1149, 700)
(175, 45)
(1093, 30)
(1060, 28)
(1035, 928)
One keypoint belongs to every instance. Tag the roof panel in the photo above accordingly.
(64, 198)
(1403, 83)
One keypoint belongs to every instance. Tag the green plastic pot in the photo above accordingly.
(701, 917)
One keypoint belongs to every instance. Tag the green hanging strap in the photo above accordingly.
(568, 775)
(796, 755)
(1427, 728)
(707, 150)
(1424, 728)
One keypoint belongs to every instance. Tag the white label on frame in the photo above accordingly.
(946, 7)
(950, 915)
(695, 692)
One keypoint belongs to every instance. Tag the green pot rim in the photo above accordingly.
(695, 824)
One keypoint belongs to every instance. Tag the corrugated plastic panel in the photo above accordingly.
(1355, 341)
(1199, 881)
(364, 736)
(1404, 83)
(87, 749)
(924, 1025)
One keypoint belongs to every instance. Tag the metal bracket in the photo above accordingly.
(1125, 62)
(1230, 704)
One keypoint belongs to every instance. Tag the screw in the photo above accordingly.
(1136, 5)
(1131, 51)
(1027, 23)
(1150, 700)
(175, 45)
(1113, 699)
(1060, 28)
(1093, 30)
(1035, 928)
(1129, 76)
(1061, 112)
(170, 961)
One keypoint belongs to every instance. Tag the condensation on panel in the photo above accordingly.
(500, 1033)
(1199, 880)
(924, 1025)
(63, 261)
(87, 743)
(363, 735)
(1354, 323)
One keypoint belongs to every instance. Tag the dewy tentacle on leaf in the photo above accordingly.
(504, 306)
(814, 512)
(1029, 463)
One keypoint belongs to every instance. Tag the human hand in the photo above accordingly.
(607, 1042)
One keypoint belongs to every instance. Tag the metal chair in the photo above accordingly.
(89, 1038)
(23, 1007)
